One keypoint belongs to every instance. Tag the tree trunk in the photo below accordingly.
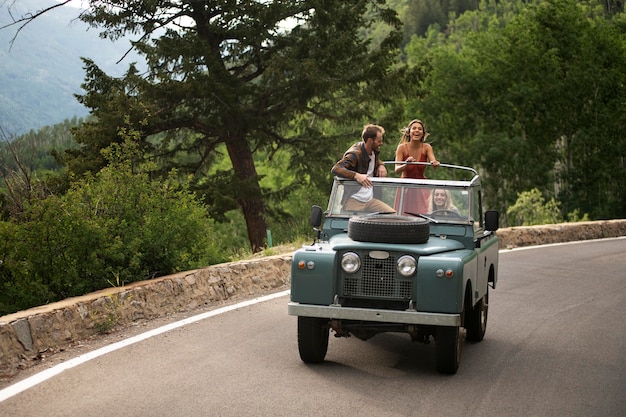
(249, 196)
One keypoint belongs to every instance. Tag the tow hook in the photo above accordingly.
(339, 332)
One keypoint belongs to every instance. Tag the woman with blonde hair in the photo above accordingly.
(441, 200)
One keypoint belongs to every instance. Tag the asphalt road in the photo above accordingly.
(555, 346)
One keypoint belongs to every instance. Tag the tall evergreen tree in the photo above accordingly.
(235, 74)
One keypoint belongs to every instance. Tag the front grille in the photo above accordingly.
(377, 278)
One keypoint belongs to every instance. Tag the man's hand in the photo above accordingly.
(382, 171)
(363, 179)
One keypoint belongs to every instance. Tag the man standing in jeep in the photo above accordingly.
(361, 162)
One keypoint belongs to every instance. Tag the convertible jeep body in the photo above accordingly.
(419, 269)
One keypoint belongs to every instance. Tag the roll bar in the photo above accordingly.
(472, 170)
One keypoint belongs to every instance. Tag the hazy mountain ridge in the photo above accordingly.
(41, 70)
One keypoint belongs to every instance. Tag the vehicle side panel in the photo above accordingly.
(488, 258)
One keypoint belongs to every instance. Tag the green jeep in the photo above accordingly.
(424, 269)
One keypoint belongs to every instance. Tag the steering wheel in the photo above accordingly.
(446, 212)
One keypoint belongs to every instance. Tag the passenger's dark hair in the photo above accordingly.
(370, 131)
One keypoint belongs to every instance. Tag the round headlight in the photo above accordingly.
(406, 265)
(350, 262)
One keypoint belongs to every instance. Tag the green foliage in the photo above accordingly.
(30, 167)
(236, 76)
(531, 209)
(115, 225)
(575, 217)
(532, 93)
(35, 149)
(289, 197)
(422, 14)
(17, 290)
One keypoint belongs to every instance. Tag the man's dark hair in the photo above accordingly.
(371, 131)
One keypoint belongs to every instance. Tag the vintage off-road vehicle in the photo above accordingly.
(421, 271)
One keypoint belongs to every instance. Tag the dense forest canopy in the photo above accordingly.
(532, 93)
(248, 114)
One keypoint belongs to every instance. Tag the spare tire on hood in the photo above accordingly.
(388, 228)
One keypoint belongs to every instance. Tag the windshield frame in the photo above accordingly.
(386, 188)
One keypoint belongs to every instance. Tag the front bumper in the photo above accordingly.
(337, 312)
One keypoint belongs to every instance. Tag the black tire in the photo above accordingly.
(389, 229)
(476, 319)
(448, 346)
(312, 339)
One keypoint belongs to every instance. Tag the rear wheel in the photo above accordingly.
(476, 319)
(312, 339)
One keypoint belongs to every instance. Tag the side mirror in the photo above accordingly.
(316, 217)
(492, 220)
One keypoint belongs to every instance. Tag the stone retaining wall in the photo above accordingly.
(26, 334)
(562, 232)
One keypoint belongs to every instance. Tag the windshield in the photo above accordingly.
(442, 203)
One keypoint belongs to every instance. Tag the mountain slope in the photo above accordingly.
(41, 70)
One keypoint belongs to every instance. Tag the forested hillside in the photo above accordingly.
(229, 135)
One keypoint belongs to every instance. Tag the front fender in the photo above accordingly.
(443, 294)
(312, 277)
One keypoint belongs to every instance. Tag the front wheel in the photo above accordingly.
(312, 339)
(448, 346)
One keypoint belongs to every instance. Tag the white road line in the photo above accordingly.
(30, 382)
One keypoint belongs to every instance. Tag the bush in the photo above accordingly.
(114, 228)
(531, 208)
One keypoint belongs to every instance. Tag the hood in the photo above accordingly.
(432, 246)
